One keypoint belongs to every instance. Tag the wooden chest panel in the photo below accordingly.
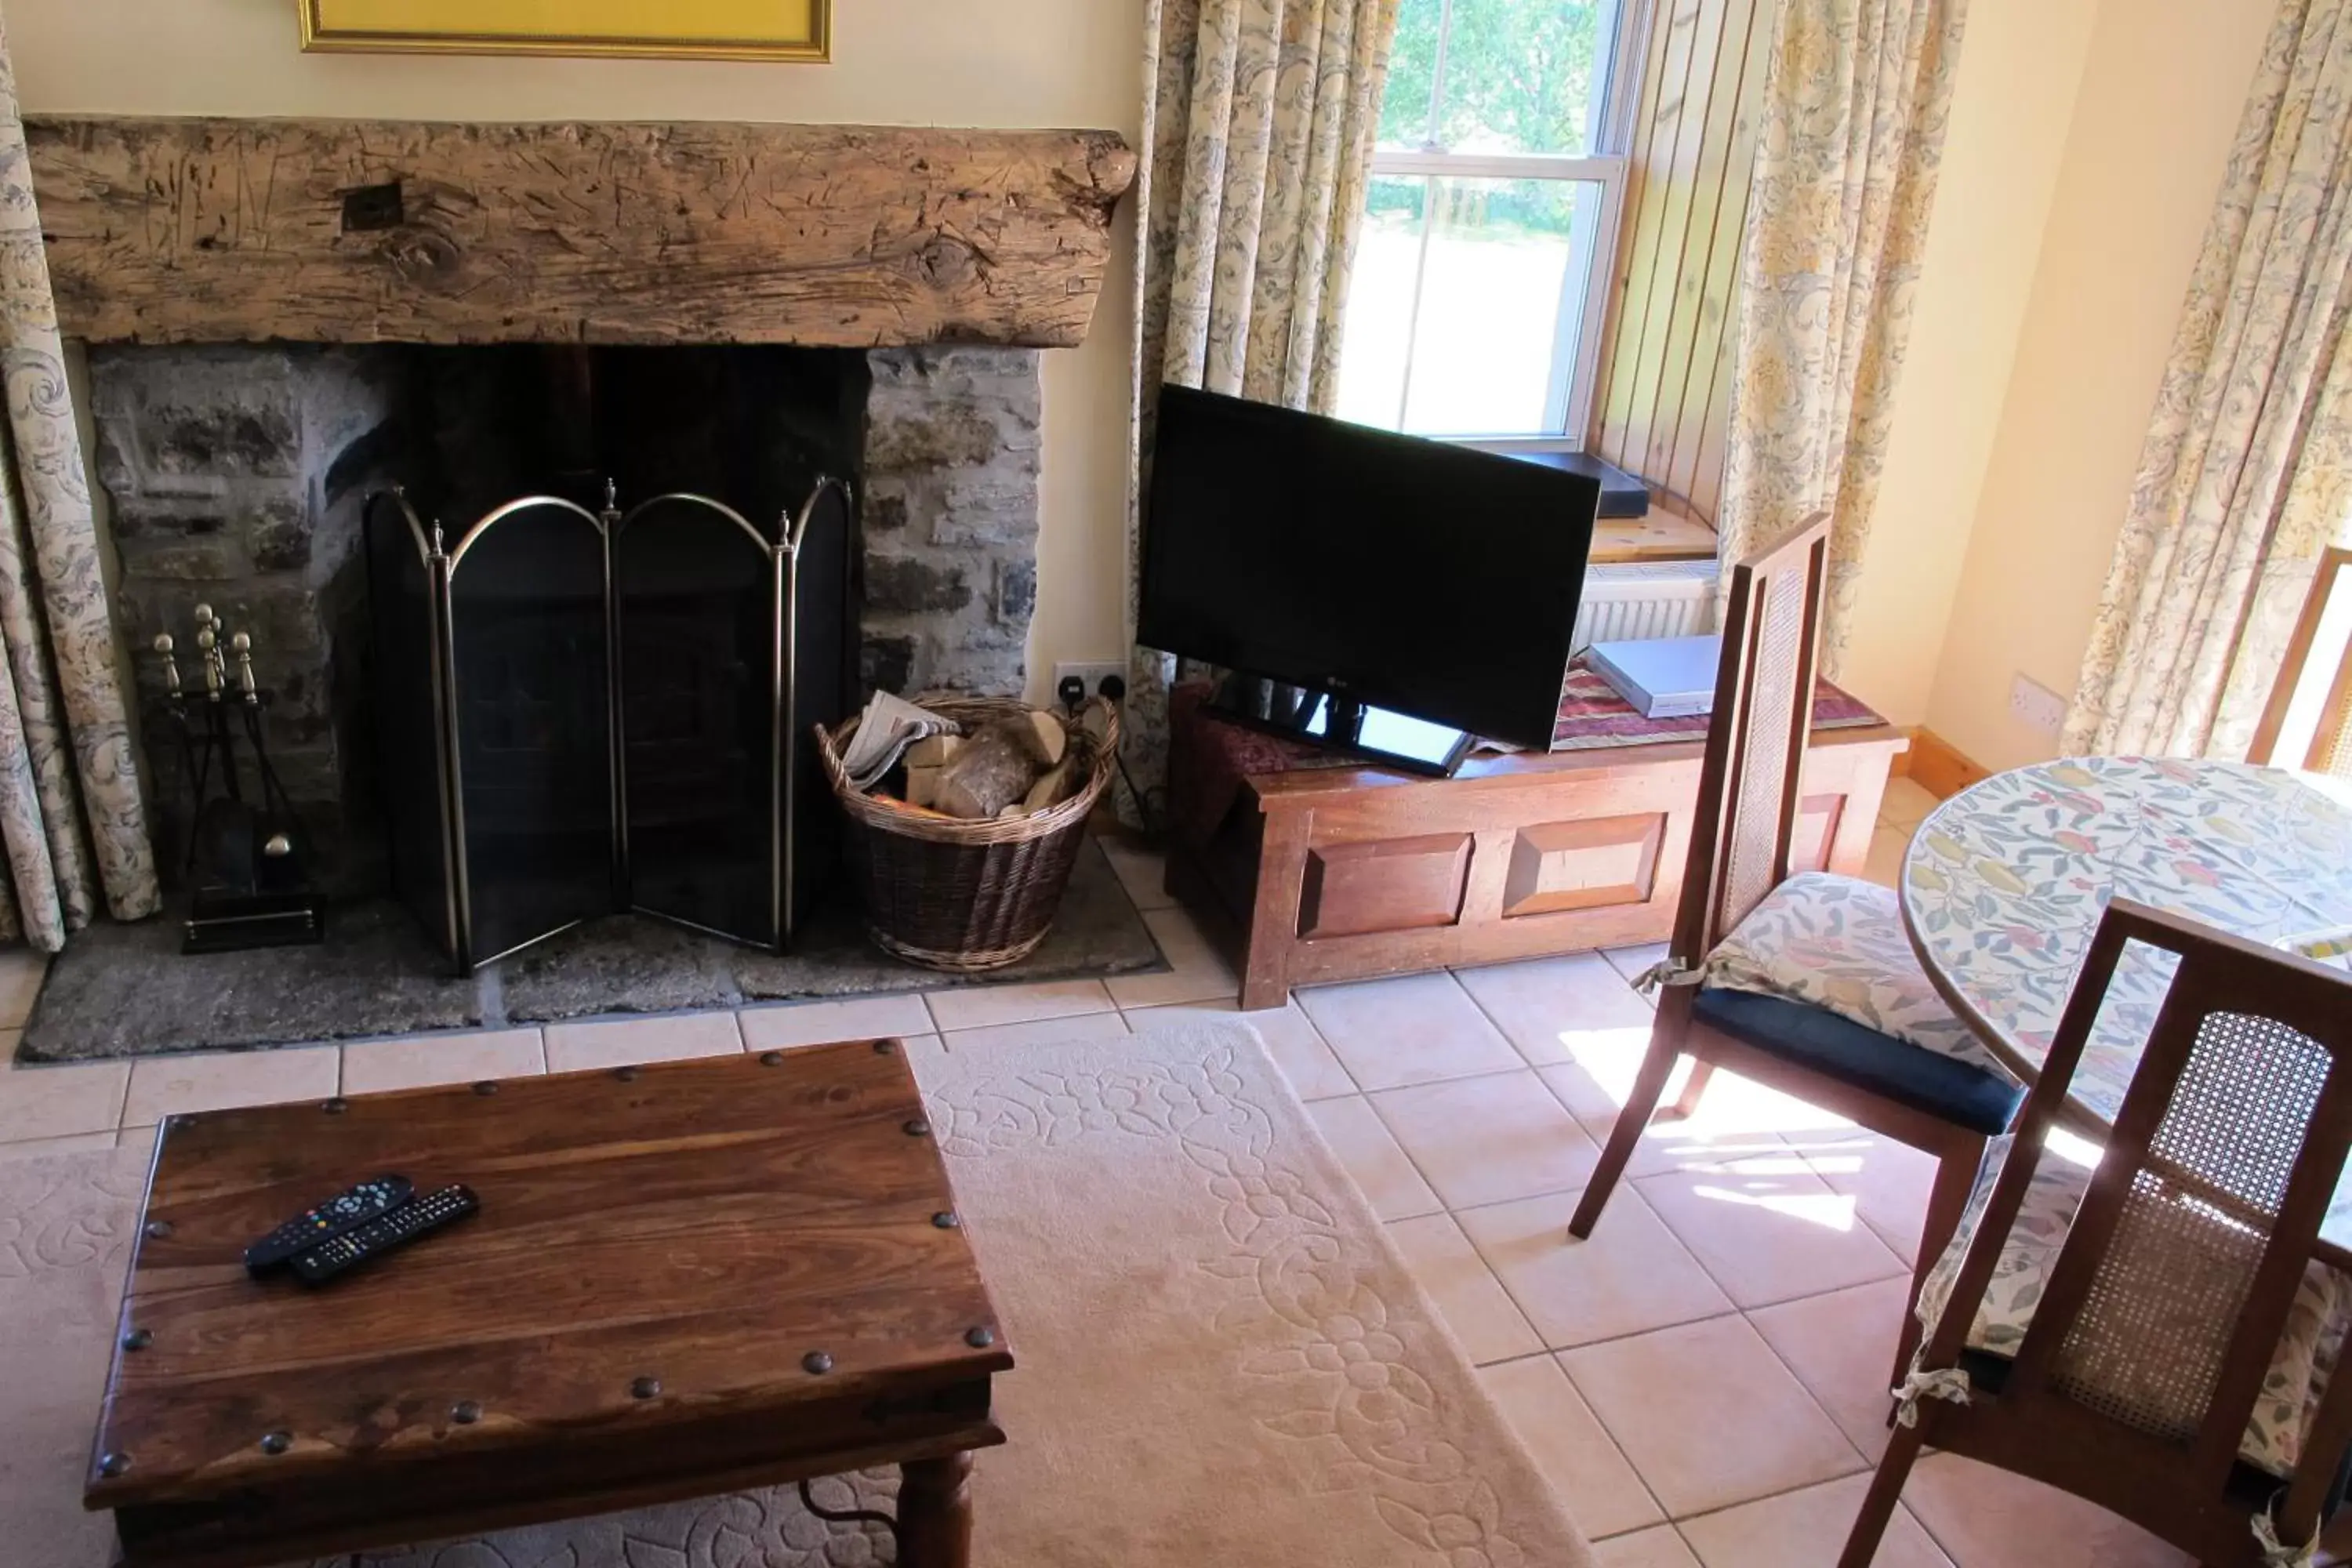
(1392, 884)
(1603, 860)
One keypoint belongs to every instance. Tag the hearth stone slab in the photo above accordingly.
(125, 990)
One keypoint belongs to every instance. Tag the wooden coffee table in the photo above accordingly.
(685, 1279)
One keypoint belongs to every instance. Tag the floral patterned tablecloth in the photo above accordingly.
(2004, 883)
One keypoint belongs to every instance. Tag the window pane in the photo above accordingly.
(1508, 76)
(1412, 74)
(1492, 339)
(1378, 323)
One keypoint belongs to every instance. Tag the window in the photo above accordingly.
(1490, 223)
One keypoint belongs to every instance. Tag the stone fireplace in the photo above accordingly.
(282, 317)
(237, 475)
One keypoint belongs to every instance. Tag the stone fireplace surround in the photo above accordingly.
(243, 288)
(236, 474)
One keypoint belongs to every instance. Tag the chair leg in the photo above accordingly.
(1686, 1105)
(1878, 1503)
(1633, 1116)
(1947, 1200)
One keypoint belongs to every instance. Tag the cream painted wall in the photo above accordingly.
(2160, 100)
(2019, 69)
(914, 62)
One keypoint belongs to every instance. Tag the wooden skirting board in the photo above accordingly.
(1935, 765)
(205, 230)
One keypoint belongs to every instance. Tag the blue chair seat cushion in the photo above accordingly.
(1836, 1046)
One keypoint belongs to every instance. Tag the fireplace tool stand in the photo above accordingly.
(248, 871)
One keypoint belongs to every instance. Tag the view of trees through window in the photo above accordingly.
(1482, 221)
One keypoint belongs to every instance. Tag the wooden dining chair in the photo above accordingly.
(1807, 984)
(2329, 749)
(2154, 1335)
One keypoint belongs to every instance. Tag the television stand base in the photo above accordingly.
(1317, 717)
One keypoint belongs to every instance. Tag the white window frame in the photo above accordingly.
(1567, 410)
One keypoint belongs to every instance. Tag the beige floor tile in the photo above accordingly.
(1709, 1416)
(1039, 1032)
(1631, 1276)
(1473, 1302)
(1656, 1547)
(620, 1042)
(981, 1006)
(1630, 962)
(58, 1101)
(370, 1065)
(1889, 1183)
(1805, 1529)
(1199, 972)
(1547, 1006)
(1841, 1348)
(1885, 864)
(1906, 803)
(1488, 1140)
(1602, 1493)
(78, 1143)
(1767, 1229)
(1416, 1028)
(1379, 1167)
(1143, 872)
(1985, 1518)
(1289, 1036)
(820, 1023)
(21, 973)
(1735, 1117)
(140, 1138)
(163, 1086)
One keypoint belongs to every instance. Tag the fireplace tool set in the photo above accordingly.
(249, 877)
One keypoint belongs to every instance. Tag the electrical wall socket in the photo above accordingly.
(1092, 674)
(2035, 705)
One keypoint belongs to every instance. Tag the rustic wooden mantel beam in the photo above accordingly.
(363, 231)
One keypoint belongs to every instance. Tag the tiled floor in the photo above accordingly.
(1703, 1380)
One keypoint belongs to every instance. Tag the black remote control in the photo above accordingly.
(345, 1211)
(404, 1224)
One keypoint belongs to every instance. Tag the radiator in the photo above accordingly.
(1631, 604)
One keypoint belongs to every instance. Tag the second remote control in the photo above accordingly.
(346, 1211)
(400, 1227)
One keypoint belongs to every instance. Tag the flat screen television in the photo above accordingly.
(1387, 571)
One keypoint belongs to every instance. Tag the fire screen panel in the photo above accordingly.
(532, 702)
(701, 676)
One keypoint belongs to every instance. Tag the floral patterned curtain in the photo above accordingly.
(72, 821)
(2247, 472)
(1259, 118)
(1852, 139)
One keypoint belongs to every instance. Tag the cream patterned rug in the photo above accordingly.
(1223, 1362)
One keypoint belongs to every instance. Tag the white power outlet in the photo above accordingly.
(2035, 705)
(1092, 674)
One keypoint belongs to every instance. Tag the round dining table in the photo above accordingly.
(2004, 883)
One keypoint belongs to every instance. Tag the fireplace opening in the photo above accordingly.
(596, 695)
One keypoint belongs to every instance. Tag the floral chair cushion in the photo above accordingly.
(2307, 1349)
(1837, 942)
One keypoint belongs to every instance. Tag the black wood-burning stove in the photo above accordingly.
(581, 712)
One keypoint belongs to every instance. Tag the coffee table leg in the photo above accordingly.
(935, 1512)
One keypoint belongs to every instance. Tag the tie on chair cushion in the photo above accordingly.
(1869, 1015)
(2307, 1349)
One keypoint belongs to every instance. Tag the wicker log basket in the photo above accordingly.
(968, 896)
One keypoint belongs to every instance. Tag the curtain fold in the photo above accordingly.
(73, 823)
(1857, 101)
(2246, 475)
(1259, 118)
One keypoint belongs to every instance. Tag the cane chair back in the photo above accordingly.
(2154, 1333)
(1748, 795)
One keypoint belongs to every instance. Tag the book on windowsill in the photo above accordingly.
(1663, 677)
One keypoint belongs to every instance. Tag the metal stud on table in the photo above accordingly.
(817, 1363)
(276, 1443)
(644, 1388)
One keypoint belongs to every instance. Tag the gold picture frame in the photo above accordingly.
(683, 29)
